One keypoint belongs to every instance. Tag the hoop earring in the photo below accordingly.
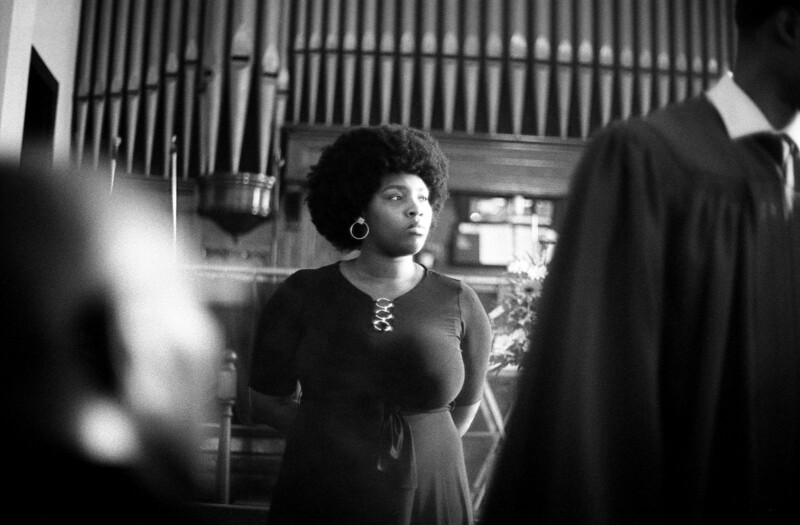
(361, 221)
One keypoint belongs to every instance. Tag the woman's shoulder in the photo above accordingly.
(313, 279)
(449, 283)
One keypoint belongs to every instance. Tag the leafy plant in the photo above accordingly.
(514, 316)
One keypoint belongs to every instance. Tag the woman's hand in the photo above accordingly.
(463, 416)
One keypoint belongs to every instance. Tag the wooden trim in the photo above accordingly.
(496, 164)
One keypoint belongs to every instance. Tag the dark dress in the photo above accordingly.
(664, 381)
(374, 441)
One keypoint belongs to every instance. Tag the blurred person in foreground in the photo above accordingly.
(663, 385)
(390, 355)
(108, 355)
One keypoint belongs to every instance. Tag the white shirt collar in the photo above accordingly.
(740, 114)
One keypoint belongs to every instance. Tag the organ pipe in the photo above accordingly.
(240, 73)
(495, 67)
(118, 68)
(134, 85)
(407, 58)
(429, 48)
(645, 56)
(171, 75)
(314, 58)
(494, 61)
(472, 45)
(349, 56)
(386, 52)
(101, 66)
(697, 62)
(270, 68)
(191, 64)
(542, 52)
(153, 79)
(216, 16)
(605, 59)
(331, 57)
(450, 60)
(712, 38)
(369, 48)
(662, 52)
(518, 53)
(299, 53)
(726, 41)
(585, 62)
(626, 56)
(84, 80)
(564, 58)
(282, 93)
(681, 61)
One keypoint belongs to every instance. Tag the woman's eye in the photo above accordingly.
(424, 198)
(395, 197)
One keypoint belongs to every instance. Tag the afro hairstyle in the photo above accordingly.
(350, 171)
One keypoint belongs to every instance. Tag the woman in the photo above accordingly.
(389, 355)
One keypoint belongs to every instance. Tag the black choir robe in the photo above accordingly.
(663, 385)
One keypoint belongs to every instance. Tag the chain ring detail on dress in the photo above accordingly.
(381, 322)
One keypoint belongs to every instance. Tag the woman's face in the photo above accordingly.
(399, 215)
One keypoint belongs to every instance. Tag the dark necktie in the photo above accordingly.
(786, 155)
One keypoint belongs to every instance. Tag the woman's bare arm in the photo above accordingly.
(463, 416)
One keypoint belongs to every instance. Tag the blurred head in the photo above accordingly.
(352, 170)
(751, 14)
(768, 55)
(111, 354)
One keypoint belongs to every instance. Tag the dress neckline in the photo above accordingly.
(358, 290)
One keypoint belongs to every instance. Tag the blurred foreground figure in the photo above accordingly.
(108, 356)
(664, 380)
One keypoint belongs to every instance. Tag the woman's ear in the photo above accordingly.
(787, 24)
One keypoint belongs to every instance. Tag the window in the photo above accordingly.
(494, 230)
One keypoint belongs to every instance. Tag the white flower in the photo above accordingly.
(537, 272)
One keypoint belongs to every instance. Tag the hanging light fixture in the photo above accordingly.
(237, 202)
